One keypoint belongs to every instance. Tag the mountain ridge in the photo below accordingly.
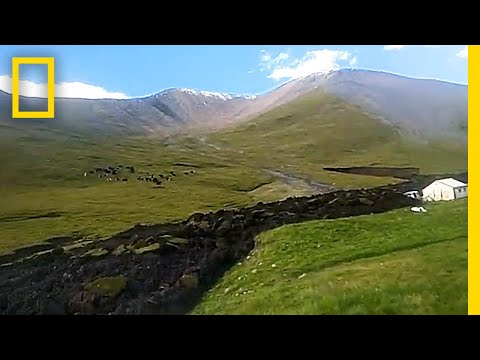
(415, 105)
(247, 96)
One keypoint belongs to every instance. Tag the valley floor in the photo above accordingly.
(49, 197)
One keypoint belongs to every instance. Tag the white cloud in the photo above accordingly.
(268, 61)
(399, 47)
(283, 66)
(281, 57)
(65, 89)
(265, 57)
(463, 53)
(86, 91)
(393, 47)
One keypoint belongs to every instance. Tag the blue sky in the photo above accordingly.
(128, 71)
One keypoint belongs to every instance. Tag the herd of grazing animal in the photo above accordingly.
(112, 173)
(157, 179)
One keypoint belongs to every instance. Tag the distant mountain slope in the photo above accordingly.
(428, 106)
(411, 105)
(163, 112)
(319, 130)
(419, 106)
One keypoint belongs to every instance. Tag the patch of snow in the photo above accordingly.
(207, 93)
(189, 91)
(222, 96)
(216, 94)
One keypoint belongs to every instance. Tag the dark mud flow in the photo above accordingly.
(165, 269)
(400, 173)
(411, 174)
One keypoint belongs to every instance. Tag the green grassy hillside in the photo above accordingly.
(318, 131)
(44, 194)
(398, 262)
(45, 176)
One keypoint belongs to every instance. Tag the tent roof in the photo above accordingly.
(452, 182)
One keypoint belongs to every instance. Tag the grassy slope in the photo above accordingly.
(42, 170)
(45, 176)
(394, 263)
(318, 130)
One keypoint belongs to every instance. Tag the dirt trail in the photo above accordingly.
(293, 180)
(289, 179)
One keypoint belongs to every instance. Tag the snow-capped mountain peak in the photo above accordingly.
(222, 96)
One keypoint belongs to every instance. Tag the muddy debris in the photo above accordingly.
(169, 266)
(396, 172)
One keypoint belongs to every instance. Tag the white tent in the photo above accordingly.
(445, 189)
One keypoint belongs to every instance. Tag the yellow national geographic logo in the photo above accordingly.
(16, 62)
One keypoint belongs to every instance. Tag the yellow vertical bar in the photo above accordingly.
(473, 177)
(15, 88)
(51, 87)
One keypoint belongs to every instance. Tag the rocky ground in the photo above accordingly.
(165, 269)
